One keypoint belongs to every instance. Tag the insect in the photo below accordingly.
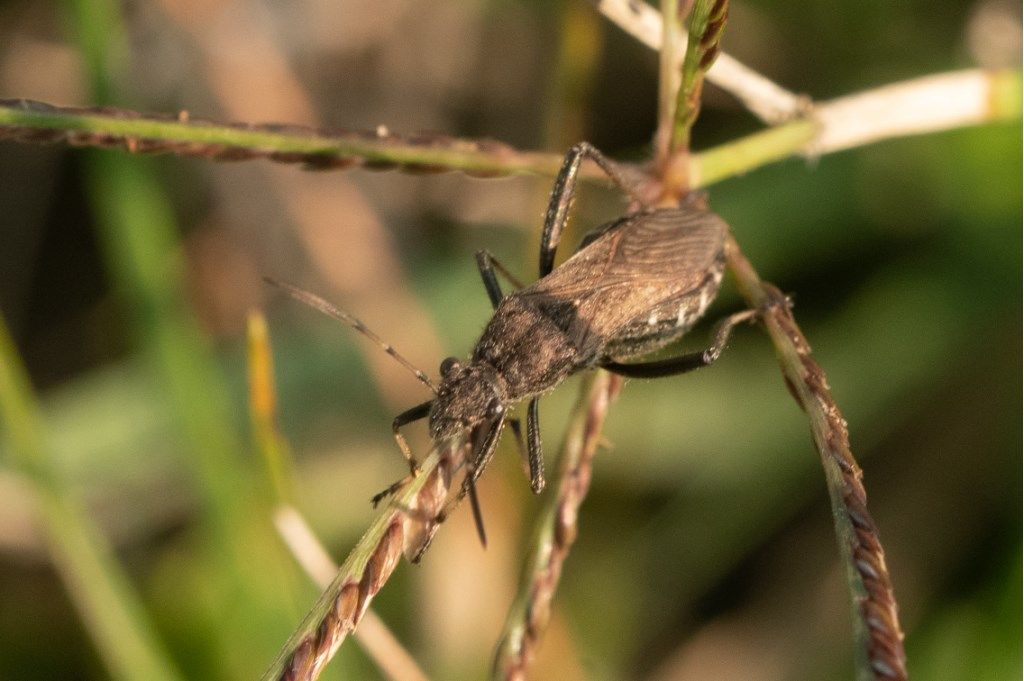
(633, 286)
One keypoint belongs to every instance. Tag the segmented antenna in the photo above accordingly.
(318, 303)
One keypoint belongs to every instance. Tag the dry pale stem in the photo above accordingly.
(406, 527)
(915, 107)
(529, 617)
(300, 539)
(876, 624)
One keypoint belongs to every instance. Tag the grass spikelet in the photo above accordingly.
(555, 530)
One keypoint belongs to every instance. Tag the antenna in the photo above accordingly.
(318, 303)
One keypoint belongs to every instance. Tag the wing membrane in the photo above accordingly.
(640, 264)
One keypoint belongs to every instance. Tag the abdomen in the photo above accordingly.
(664, 323)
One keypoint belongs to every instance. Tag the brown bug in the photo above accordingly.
(633, 286)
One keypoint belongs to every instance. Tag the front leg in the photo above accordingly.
(530, 452)
(534, 454)
(418, 412)
(562, 194)
(405, 418)
(485, 441)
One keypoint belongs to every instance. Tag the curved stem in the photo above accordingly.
(879, 638)
(556, 530)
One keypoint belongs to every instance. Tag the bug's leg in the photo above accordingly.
(391, 489)
(530, 452)
(482, 453)
(487, 264)
(689, 361)
(403, 419)
(406, 417)
(562, 195)
(534, 453)
(490, 444)
(478, 516)
(511, 278)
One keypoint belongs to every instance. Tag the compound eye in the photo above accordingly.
(448, 365)
(495, 408)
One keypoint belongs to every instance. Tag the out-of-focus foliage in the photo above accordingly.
(706, 548)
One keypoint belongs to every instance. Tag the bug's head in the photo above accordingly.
(467, 396)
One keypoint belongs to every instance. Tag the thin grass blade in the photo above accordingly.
(108, 605)
(274, 448)
(140, 245)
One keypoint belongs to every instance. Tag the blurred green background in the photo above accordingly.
(706, 547)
